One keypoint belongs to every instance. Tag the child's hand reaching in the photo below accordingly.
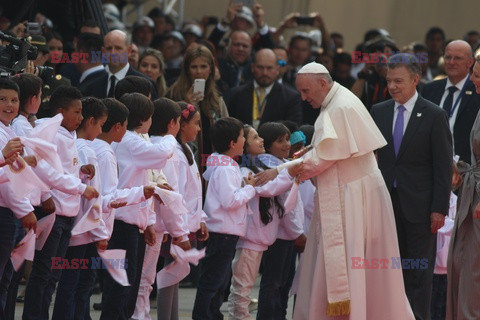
(148, 191)
(202, 233)
(295, 170)
(13, 147)
(31, 161)
(30, 222)
(300, 243)
(185, 245)
(150, 236)
(88, 169)
(250, 179)
(48, 206)
(102, 245)
(117, 204)
(265, 176)
(90, 193)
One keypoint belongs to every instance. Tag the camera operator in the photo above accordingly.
(43, 52)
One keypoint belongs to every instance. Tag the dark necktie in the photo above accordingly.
(398, 129)
(448, 103)
(111, 91)
(398, 133)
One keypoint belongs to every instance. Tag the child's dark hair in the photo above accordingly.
(140, 108)
(165, 110)
(308, 131)
(8, 84)
(271, 131)
(62, 97)
(29, 85)
(131, 84)
(186, 115)
(92, 107)
(223, 131)
(291, 126)
(117, 113)
(264, 204)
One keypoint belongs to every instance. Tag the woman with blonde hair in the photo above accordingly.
(152, 65)
(198, 63)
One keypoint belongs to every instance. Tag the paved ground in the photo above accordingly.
(186, 298)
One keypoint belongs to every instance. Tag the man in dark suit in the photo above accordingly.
(264, 99)
(236, 68)
(457, 95)
(88, 66)
(102, 85)
(417, 167)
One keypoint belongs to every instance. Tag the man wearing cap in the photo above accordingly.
(116, 48)
(417, 169)
(264, 99)
(242, 18)
(43, 52)
(346, 270)
(172, 46)
(142, 33)
(191, 32)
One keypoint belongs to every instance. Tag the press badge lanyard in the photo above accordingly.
(460, 95)
(258, 112)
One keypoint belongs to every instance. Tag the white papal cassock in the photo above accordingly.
(353, 220)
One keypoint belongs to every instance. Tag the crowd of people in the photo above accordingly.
(333, 175)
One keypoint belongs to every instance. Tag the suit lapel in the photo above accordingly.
(248, 111)
(270, 104)
(413, 123)
(439, 91)
(466, 97)
(388, 124)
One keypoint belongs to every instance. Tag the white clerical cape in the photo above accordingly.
(353, 220)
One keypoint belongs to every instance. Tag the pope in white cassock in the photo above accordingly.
(351, 267)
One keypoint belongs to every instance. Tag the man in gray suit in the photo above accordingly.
(417, 167)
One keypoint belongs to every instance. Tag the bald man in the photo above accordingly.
(457, 95)
(115, 51)
(236, 67)
(264, 99)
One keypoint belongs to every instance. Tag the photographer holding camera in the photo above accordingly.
(43, 52)
(300, 49)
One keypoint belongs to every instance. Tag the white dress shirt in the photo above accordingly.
(407, 113)
(456, 96)
(122, 73)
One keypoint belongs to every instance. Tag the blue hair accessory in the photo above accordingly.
(298, 136)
